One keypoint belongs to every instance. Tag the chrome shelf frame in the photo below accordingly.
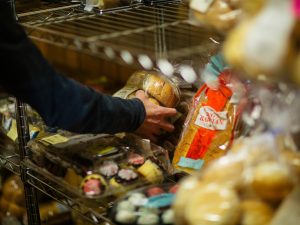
(52, 188)
(10, 161)
(139, 36)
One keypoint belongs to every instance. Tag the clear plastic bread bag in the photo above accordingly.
(211, 124)
(252, 179)
(221, 15)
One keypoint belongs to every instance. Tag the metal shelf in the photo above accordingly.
(54, 188)
(10, 161)
(139, 35)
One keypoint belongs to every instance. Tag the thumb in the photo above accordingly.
(140, 94)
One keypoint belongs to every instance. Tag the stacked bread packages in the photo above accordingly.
(244, 187)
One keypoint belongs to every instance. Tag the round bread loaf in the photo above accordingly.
(213, 205)
(256, 212)
(292, 159)
(184, 193)
(162, 89)
(13, 190)
(272, 181)
(225, 171)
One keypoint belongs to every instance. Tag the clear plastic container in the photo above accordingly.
(101, 166)
(221, 15)
(159, 87)
(148, 205)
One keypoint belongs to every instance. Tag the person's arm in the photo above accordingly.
(63, 102)
(60, 101)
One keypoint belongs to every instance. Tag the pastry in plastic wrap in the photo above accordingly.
(272, 181)
(93, 184)
(249, 180)
(188, 185)
(160, 89)
(146, 206)
(213, 205)
(219, 14)
(151, 171)
(209, 128)
(292, 158)
(13, 190)
(225, 173)
(256, 212)
(7, 207)
(100, 166)
(262, 43)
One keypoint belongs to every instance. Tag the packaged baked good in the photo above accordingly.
(262, 45)
(210, 125)
(148, 205)
(160, 89)
(252, 180)
(218, 14)
(100, 166)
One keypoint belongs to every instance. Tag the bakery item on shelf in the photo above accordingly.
(150, 205)
(188, 185)
(126, 217)
(213, 205)
(226, 171)
(154, 191)
(148, 219)
(255, 212)
(13, 190)
(168, 217)
(174, 189)
(109, 168)
(126, 176)
(93, 185)
(154, 101)
(11, 208)
(136, 159)
(162, 89)
(218, 14)
(271, 181)
(292, 159)
(151, 171)
(73, 178)
(125, 205)
(137, 199)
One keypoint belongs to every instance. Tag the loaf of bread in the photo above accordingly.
(209, 128)
(256, 212)
(213, 205)
(188, 185)
(272, 181)
(162, 89)
(13, 190)
(158, 87)
(219, 14)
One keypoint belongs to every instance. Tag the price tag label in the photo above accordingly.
(55, 139)
(13, 133)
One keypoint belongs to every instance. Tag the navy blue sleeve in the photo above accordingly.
(60, 101)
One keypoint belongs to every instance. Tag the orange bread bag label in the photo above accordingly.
(209, 127)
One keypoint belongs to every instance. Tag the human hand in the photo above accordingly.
(155, 120)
